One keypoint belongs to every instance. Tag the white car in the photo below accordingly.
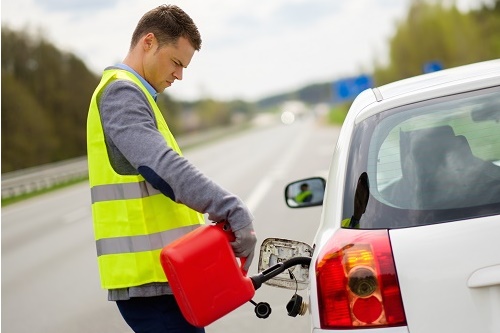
(409, 239)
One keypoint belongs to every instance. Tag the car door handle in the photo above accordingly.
(485, 277)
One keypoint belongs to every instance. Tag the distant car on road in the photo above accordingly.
(409, 239)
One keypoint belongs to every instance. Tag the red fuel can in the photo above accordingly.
(206, 278)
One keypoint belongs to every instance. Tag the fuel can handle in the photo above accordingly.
(224, 226)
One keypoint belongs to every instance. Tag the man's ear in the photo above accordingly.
(148, 41)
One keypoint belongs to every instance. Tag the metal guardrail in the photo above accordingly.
(43, 177)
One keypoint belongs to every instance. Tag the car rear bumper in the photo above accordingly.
(401, 329)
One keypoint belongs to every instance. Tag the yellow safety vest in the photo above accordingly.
(302, 196)
(132, 220)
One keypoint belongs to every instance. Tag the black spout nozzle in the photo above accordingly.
(272, 271)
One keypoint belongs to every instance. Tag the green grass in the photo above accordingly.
(338, 113)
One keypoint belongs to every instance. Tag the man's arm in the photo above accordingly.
(135, 143)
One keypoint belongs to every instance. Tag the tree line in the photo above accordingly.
(432, 31)
(46, 91)
(45, 98)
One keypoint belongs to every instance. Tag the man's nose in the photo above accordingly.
(178, 73)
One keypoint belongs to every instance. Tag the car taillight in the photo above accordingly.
(357, 281)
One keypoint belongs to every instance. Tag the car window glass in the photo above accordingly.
(427, 163)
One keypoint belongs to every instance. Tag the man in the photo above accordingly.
(305, 195)
(144, 192)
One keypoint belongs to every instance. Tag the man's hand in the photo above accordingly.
(244, 244)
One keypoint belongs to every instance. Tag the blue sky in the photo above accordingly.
(251, 48)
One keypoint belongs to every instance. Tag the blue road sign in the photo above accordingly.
(347, 89)
(432, 66)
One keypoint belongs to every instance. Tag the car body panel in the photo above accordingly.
(434, 264)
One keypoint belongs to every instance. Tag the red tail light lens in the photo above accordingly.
(357, 281)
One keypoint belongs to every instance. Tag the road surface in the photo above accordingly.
(49, 272)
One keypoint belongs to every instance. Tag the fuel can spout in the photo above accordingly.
(272, 271)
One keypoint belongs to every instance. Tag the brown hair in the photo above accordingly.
(167, 23)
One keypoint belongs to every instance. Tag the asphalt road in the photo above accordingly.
(49, 271)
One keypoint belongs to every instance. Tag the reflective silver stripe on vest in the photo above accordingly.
(132, 244)
(122, 191)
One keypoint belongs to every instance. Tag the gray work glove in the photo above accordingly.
(244, 245)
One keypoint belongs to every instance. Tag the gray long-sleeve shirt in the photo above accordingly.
(136, 146)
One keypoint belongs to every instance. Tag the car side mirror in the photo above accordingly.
(274, 251)
(307, 192)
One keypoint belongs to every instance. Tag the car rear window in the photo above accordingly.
(430, 162)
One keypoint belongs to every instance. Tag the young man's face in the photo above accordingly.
(163, 65)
